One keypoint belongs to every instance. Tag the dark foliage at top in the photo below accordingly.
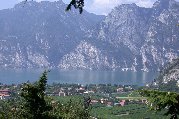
(35, 106)
(78, 4)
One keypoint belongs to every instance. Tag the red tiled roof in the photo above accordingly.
(5, 90)
(4, 94)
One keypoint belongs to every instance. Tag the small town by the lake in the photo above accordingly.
(104, 101)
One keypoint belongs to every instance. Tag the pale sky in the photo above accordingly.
(93, 6)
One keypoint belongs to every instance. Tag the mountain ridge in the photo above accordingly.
(128, 38)
(137, 34)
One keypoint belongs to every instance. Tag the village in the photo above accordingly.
(101, 95)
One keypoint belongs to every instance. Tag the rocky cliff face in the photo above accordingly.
(129, 38)
(171, 72)
(139, 38)
(40, 34)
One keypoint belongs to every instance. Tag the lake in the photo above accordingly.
(15, 76)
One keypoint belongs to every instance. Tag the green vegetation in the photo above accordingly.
(163, 93)
(34, 104)
(66, 99)
(131, 111)
(159, 100)
(9, 110)
(170, 86)
(72, 108)
(104, 101)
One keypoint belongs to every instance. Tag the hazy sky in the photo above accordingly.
(94, 6)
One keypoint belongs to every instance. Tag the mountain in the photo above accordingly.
(40, 34)
(132, 38)
(170, 72)
(129, 38)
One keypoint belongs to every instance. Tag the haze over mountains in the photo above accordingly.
(42, 35)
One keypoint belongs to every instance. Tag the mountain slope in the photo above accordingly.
(129, 38)
(139, 38)
(39, 34)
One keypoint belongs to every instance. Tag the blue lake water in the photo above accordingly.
(15, 76)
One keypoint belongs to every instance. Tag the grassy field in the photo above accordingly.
(132, 111)
(66, 99)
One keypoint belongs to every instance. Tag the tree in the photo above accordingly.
(78, 4)
(158, 100)
(10, 109)
(73, 109)
(6, 110)
(170, 86)
(166, 96)
(34, 104)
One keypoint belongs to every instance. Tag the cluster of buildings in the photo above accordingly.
(5, 94)
(105, 99)
(69, 91)
(108, 103)
(120, 102)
